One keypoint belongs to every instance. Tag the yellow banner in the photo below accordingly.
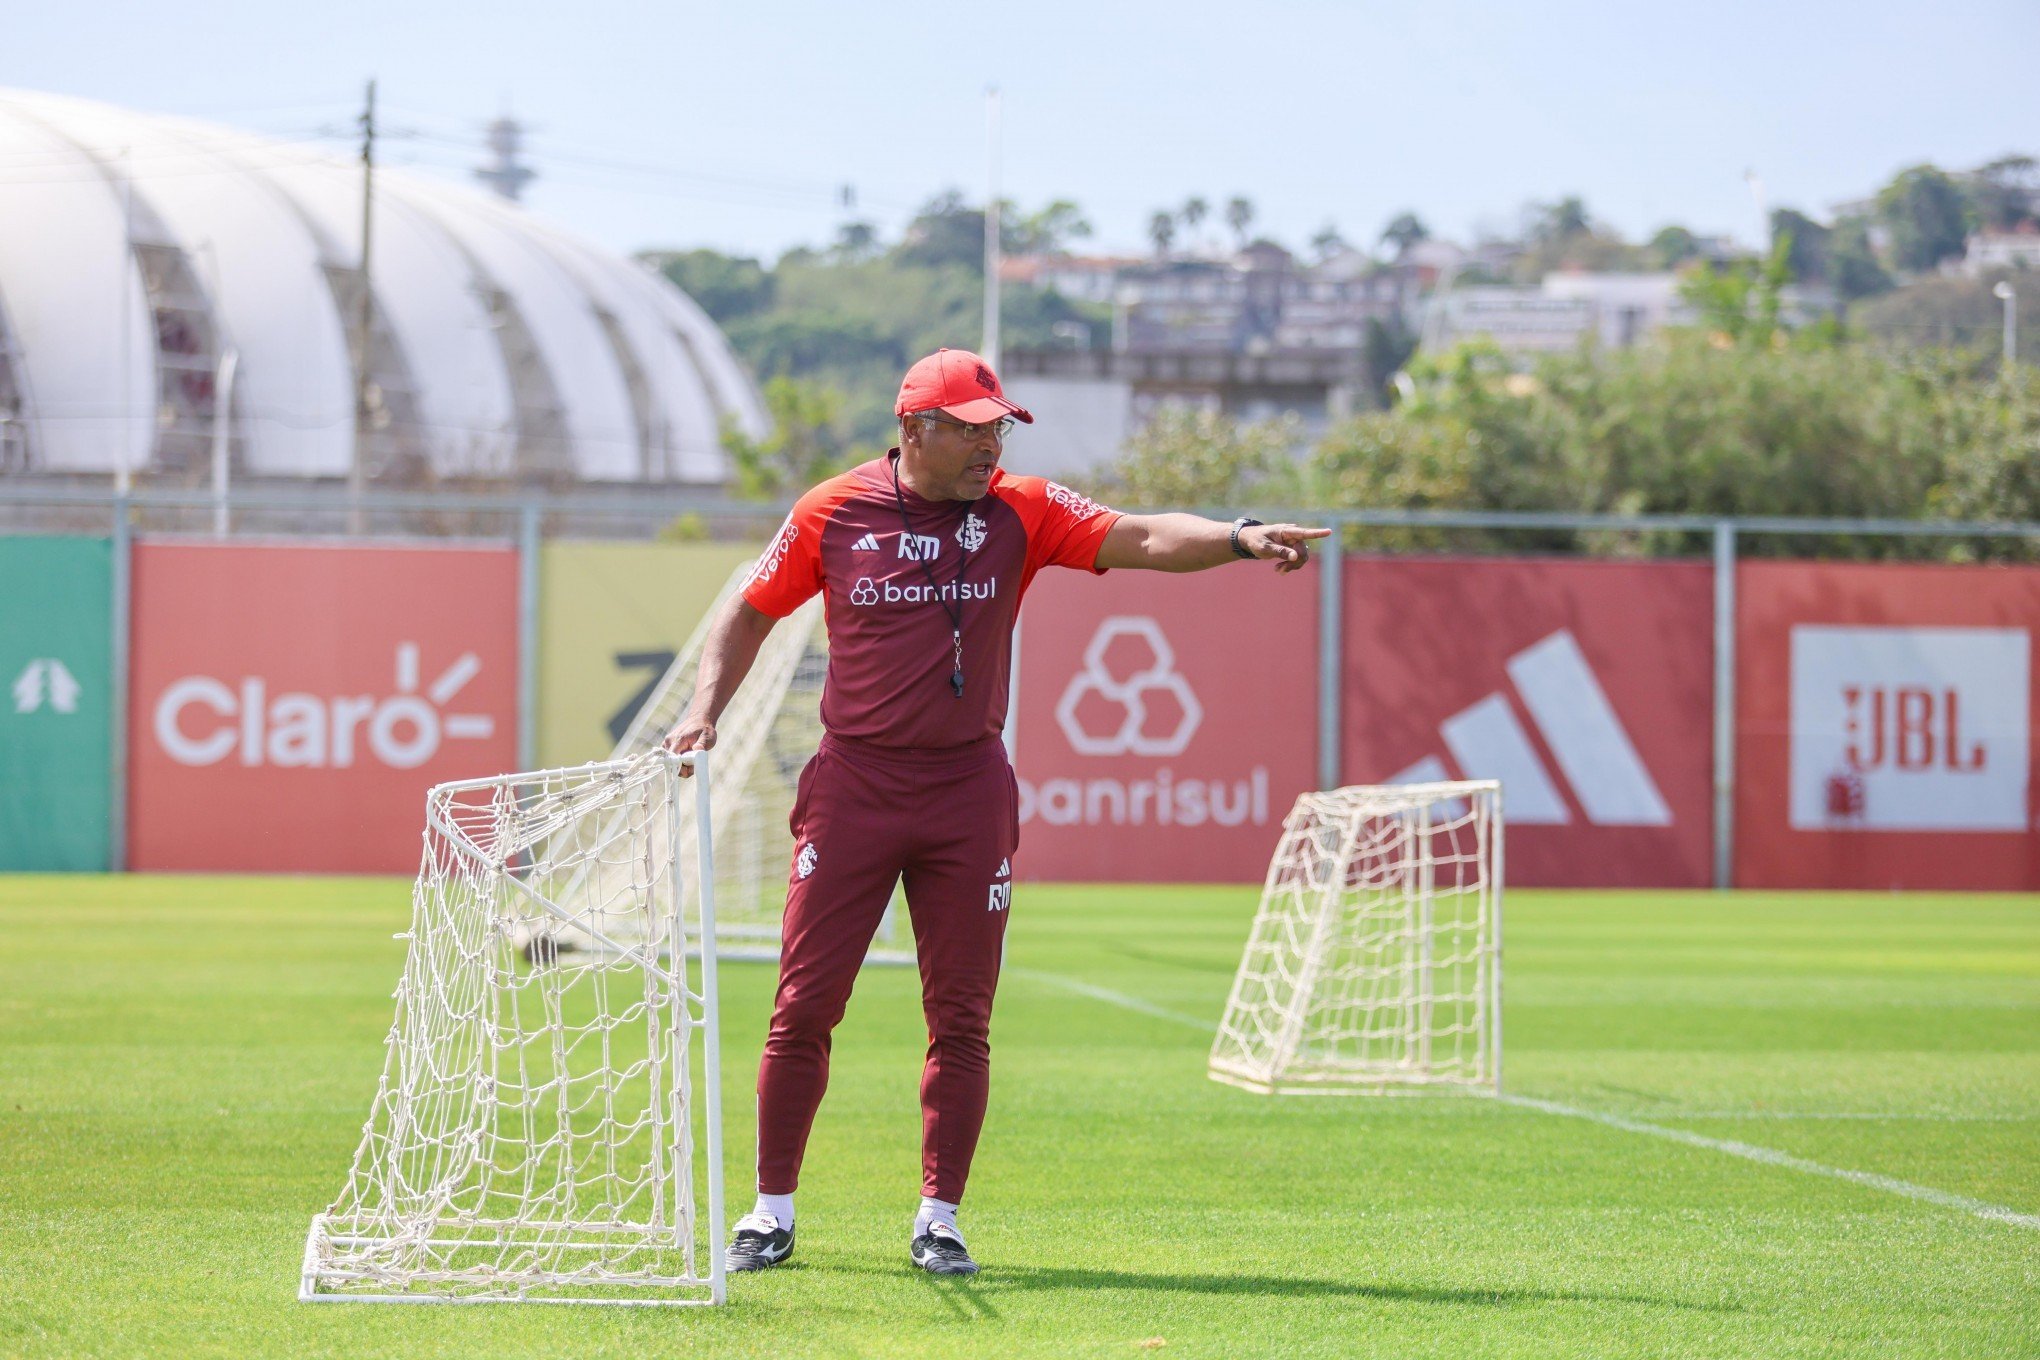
(611, 618)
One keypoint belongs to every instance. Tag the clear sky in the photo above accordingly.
(734, 125)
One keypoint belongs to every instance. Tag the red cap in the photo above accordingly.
(958, 383)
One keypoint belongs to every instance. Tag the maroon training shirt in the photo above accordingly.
(890, 650)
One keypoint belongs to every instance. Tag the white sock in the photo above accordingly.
(935, 1211)
(779, 1206)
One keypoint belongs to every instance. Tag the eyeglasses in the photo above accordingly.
(998, 429)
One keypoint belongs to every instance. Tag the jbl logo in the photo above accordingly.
(919, 547)
(1001, 898)
(1910, 729)
(1907, 727)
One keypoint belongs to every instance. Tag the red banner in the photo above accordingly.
(291, 705)
(1585, 687)
(1164, 723)
(1886, 725)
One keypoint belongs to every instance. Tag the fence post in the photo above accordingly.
(1724, 703)
(529, 522)
(117, 739)
(1331, 656)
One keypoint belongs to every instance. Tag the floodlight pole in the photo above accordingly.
(989, 347)
(2005, 293)
(357, 467)
(222, 417)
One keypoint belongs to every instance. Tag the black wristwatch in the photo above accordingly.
(1242, 522)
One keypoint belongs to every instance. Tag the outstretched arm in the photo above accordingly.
(733, 641)
(1192, 543)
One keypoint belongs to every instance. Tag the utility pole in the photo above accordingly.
(357, 470)
(990, 347)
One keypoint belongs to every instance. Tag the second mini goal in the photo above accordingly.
(1375, 960)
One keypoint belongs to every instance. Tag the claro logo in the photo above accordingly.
(200, 720)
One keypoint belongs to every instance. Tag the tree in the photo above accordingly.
(1556, 223)
(1193, 212)
(1162, 231)
(1808, 257)
(1927, 215)
(1948, 313)
(1196, 456)
(1673, 246)
(1387, 348)
(1046, 232)
(2006, 192)
(856, 241)
(808, 442)
(1740, 301)
(1693, 427)
(946, 231)
(1853, 266)
(1403, 231)
(1239, 215)
(725, 286)
(1327, 242)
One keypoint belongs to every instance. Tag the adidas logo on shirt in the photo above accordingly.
(868, 543)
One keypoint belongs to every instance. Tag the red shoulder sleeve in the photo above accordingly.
(1064, 527)
(789, 572)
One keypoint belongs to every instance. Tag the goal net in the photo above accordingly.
(763, 740)
(547, 1126)
(1374, 964)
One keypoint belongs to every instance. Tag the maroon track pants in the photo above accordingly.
(864, 816)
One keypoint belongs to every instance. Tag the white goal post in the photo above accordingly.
(1375, 960)
(548, 1127)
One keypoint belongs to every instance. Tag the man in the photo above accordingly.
(923, 556)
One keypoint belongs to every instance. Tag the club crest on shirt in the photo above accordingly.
(972, 532)
(805, 864)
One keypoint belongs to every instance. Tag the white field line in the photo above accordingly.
(1996, 1213)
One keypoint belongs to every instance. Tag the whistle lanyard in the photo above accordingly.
(955, 612)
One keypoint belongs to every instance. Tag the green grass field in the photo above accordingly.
(188, 1061)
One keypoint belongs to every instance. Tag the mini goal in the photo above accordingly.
(1375, 960)
(547, 1128)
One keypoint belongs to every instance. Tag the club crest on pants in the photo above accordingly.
(804, 863)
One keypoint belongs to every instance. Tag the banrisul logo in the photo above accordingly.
(1129, 700)
(203, 720)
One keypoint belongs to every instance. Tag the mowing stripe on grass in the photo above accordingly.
(1132, 1003)
(1874, 1116)
(1996, 1213)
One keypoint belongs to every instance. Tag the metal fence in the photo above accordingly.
(525, 521)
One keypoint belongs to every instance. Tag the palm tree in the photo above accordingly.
(1404, 231)
(1193, 212)
(1162, 231)
(1239, 215)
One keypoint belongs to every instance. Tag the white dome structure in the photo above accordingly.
(139, 253)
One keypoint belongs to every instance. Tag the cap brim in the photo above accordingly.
(987, 409)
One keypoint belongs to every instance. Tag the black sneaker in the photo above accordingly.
(760, 1242)
(939, 1251)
